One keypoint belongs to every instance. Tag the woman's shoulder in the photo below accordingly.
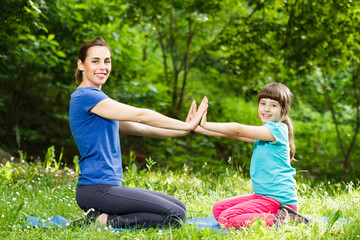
(87, 92)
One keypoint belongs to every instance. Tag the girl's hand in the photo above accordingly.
(200, 112)
(203, 120)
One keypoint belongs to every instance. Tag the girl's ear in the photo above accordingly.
(80, 65)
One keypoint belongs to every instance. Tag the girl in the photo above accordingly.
(270, 170)
(96, 121)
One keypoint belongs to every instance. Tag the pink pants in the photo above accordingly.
(241, 211)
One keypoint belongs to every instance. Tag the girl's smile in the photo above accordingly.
(269, 110)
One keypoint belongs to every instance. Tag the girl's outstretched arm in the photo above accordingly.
(203, 131)
(238, 130)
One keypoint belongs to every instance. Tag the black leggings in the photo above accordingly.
(132, 207)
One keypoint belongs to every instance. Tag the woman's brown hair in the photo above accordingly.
(99, 41)
(282, 94)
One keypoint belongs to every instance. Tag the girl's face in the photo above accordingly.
(96, 68)
(269, 110)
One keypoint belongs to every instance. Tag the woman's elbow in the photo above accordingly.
(142, 116)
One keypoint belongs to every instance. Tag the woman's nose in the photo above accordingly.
(102, 65)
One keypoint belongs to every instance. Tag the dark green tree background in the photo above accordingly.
(167, 53)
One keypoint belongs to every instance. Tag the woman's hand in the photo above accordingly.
(192, 112)
(195, 116)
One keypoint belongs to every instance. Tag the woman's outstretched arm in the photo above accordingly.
(112, 109)
(139, 129)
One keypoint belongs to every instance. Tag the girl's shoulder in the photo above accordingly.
(278, 125)
(278, 130)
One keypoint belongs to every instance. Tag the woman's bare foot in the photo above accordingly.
(101, 220)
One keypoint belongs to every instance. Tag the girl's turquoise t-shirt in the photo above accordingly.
(270, 169)
(97, 139)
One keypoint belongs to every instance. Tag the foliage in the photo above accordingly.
(45, 193)
(167, 53)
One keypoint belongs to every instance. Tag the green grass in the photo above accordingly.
(48, 191)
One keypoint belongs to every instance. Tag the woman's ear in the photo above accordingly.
(80, 65)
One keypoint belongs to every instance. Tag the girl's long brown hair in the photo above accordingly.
(282, 94)
(99, 41)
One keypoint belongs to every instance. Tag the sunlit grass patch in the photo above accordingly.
(46, 192)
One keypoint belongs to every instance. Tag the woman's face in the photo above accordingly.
(269, 110)
(96, 68)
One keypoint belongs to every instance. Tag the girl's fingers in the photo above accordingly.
(197, 116)
(204, 105)
(203, 119)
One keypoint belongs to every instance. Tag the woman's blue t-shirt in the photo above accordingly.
(97, 139)
(270, 169)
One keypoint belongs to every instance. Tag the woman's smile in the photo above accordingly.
(96, 68)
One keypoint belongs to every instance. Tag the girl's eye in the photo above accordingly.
(94, 61)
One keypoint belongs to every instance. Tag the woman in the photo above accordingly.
(96, 121)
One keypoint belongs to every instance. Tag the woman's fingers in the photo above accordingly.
(192, 112)
(202, 108)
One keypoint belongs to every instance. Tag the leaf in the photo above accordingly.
(51, 37)
(61, 54)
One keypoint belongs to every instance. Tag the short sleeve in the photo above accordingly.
(90, 97)
(279, 131)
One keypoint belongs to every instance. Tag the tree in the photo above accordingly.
(184, 31)
(284, 40)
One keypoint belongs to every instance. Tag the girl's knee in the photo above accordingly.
(222, 219)
(217, 210)
(234, 222)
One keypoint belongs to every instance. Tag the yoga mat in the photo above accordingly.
(201, 223)
(205, 223)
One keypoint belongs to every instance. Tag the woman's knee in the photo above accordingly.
(179, 213)
(175, 218)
